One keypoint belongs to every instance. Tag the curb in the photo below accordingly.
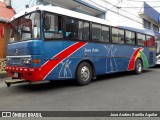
(3, 74)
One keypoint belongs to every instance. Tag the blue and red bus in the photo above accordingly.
(53, 43)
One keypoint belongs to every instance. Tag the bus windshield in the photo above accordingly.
(26, 27)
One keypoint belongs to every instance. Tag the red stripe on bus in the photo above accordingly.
(51, 64)
(133, 59)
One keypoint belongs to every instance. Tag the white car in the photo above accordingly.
(158, 60)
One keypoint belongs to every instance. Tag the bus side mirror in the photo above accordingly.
(47, 22)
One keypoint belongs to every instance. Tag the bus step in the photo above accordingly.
(9, 82)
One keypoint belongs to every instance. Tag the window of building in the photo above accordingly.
(55, 28)
(96, 32)
(146, 24)
(117, 36)
(155, 28)
(141, 39)
(130, 37)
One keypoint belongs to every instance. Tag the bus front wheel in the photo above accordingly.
(138, 66)
(84, 73)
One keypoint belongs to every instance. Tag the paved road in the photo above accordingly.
(116, 92)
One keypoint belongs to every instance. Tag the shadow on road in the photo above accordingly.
(54, 85)
(44, 86)
(118, 75)
(156, 67)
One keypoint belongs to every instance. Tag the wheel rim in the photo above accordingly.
(85, 73)
(139, 67)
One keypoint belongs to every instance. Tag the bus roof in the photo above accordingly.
(63, 11)
(142, 30)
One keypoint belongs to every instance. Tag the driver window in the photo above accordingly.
(55, 28)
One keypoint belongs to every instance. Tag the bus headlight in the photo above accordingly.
(26, 61)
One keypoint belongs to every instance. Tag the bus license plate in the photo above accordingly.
(16, 75)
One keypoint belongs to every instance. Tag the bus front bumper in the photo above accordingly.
(30, 74)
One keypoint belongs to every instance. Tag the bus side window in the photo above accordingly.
(80, 30)
(55, 29)
(121, 36)
(150, 40)
(130, 38)
(71, 28)
(141, 39)
(86, 31)
(96, 32)
(117, 36)
(105, 34)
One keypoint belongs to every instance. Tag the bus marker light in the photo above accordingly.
(31, 70)
(36, 61)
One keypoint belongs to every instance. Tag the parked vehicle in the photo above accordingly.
(53, 43)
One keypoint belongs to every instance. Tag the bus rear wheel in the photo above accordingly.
(138, 66)
(84, 73)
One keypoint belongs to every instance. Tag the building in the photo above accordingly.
(131, 13)
(6, 13)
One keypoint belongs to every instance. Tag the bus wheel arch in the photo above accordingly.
(138, 66)
(84, 65)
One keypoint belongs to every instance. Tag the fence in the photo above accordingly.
(2, 64)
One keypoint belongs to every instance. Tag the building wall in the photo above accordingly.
(4, 40)
(125, 13)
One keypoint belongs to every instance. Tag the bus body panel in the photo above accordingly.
(106, 58)
(60, 58)
(16, 52)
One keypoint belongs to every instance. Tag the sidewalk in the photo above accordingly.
(3, 74)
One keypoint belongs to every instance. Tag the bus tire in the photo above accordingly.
(138, 67)
(84, 74)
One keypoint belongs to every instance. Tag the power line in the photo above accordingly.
(118, 12)
(141, 1)
(33, 2)
(139, 7)
(122, 9)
